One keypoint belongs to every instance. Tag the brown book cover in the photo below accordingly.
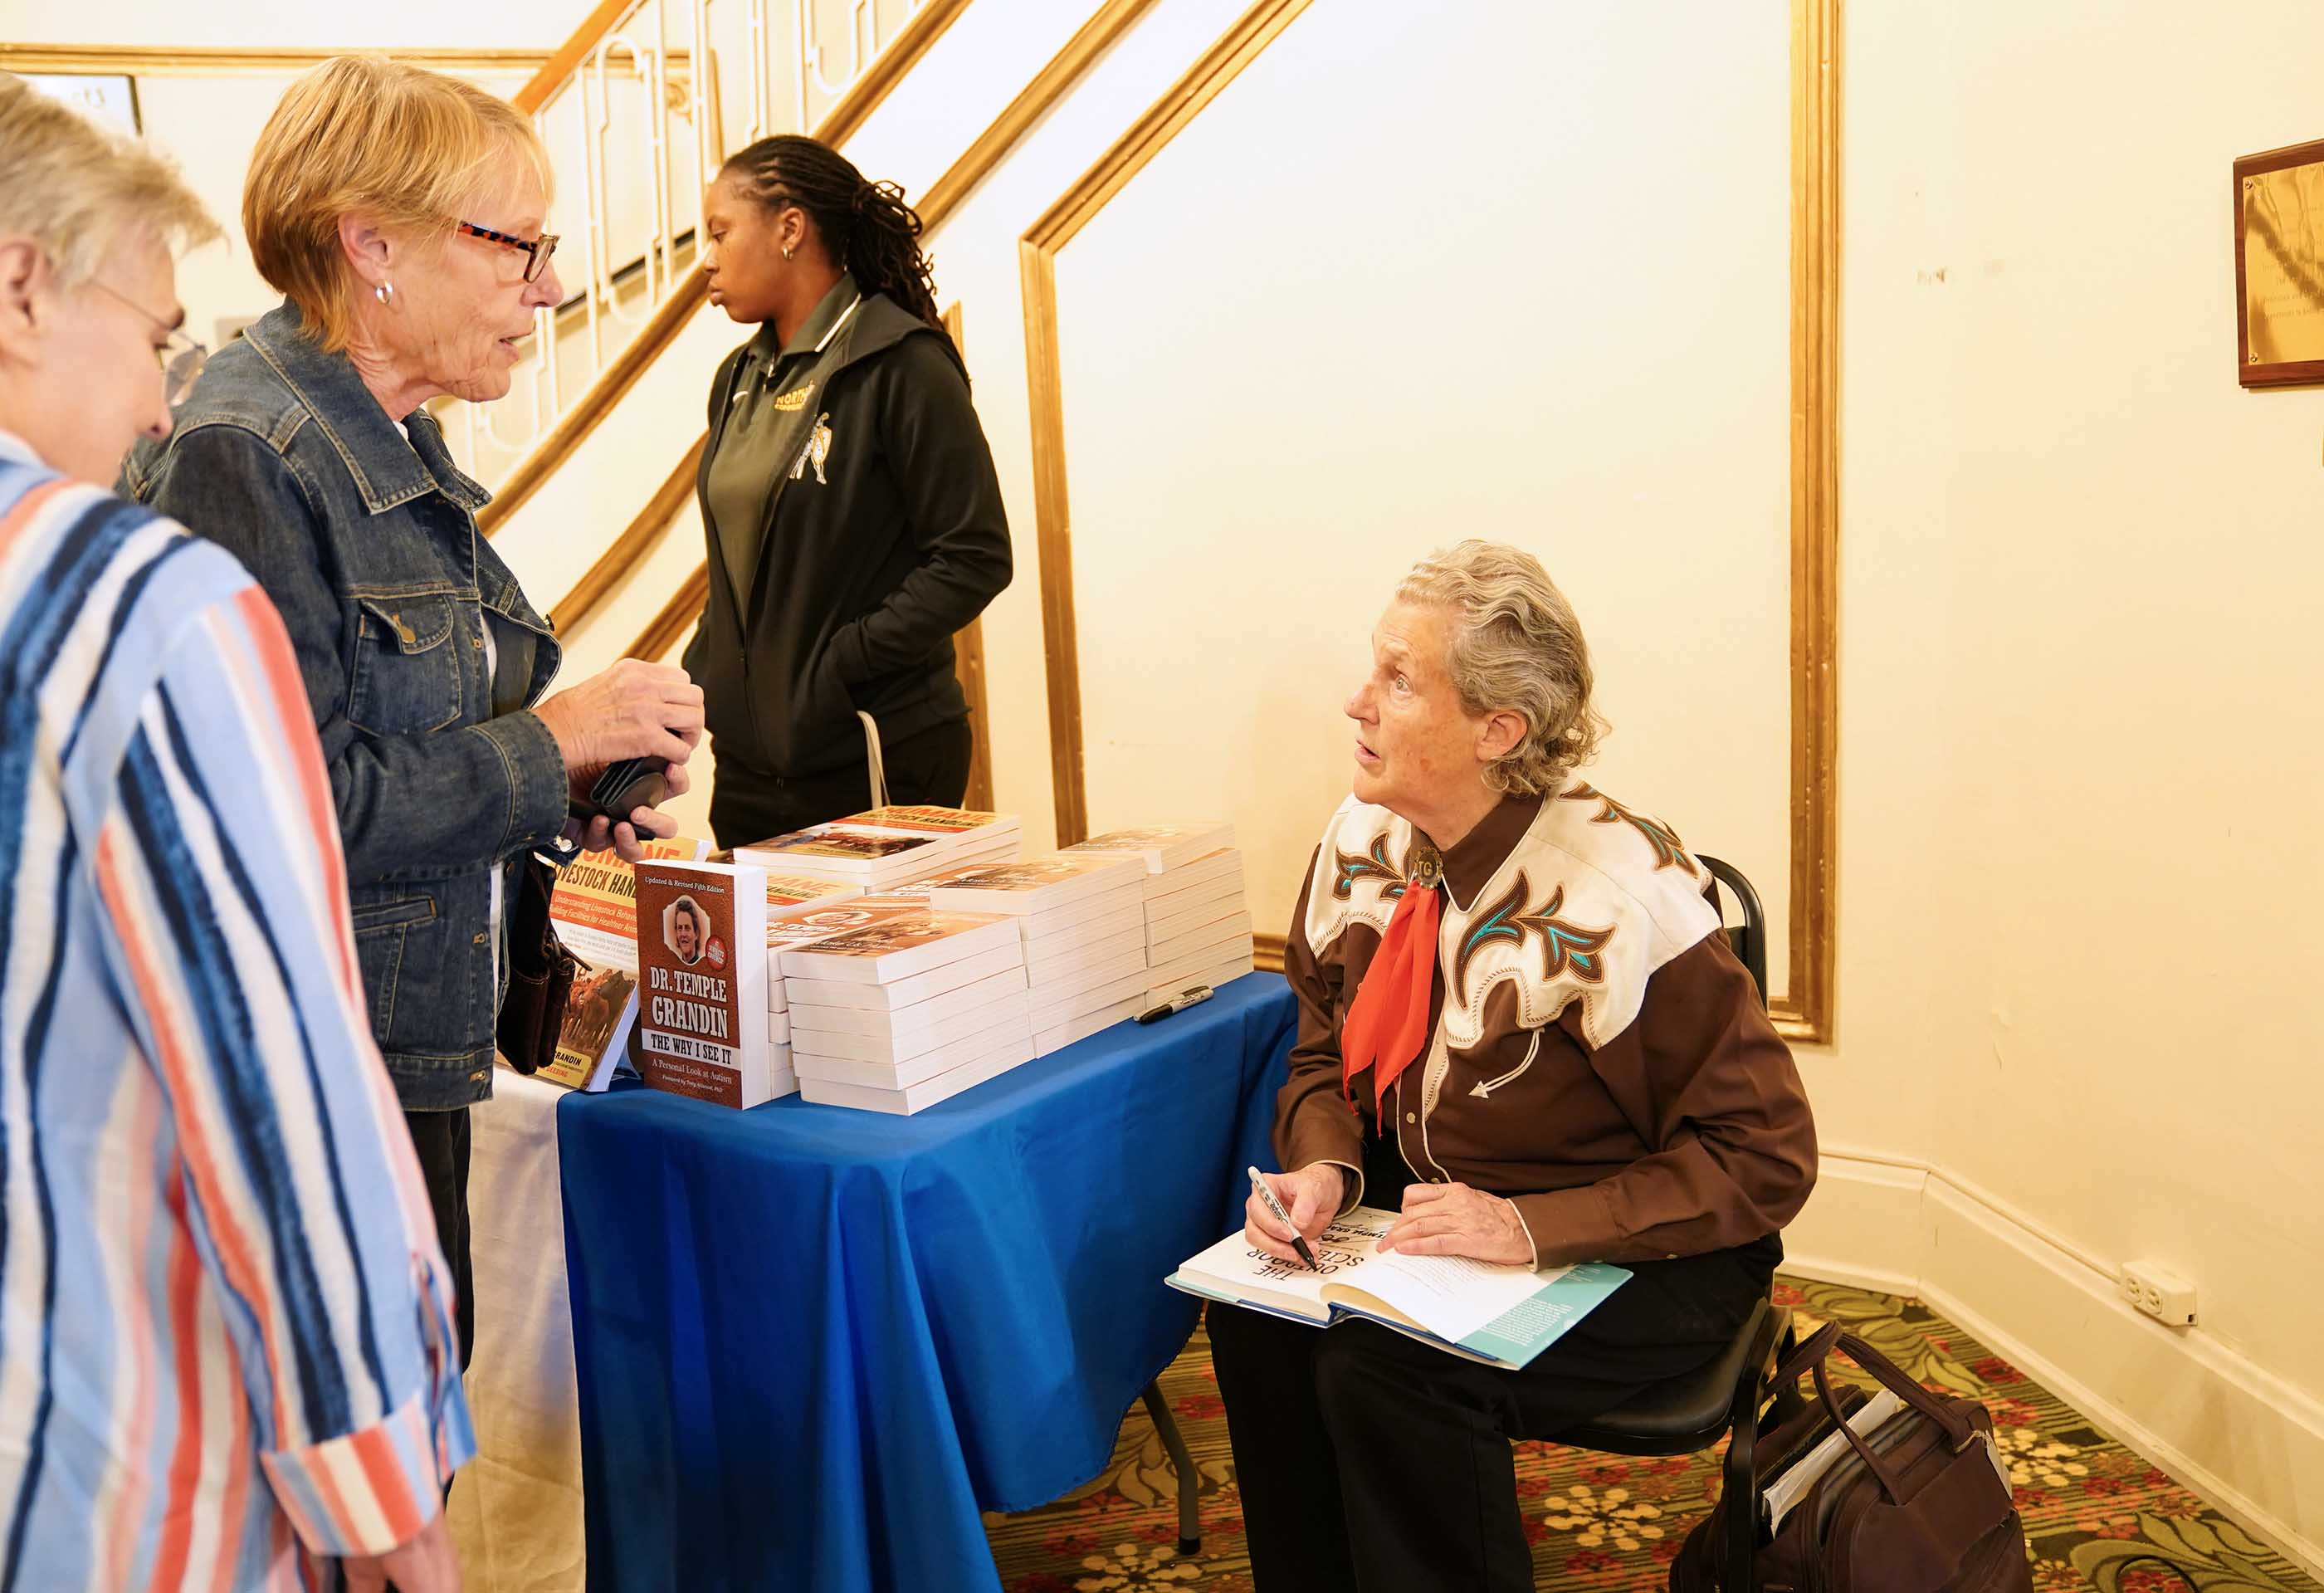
(702, 981)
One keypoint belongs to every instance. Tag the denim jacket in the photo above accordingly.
(368, 544)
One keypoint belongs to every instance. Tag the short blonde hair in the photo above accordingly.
(1517, 648)
(74, 188)
(363, 134)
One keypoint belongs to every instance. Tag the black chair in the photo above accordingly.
(1687, 1415)
(1749, 938)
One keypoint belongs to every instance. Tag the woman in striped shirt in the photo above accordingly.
(227, 1357)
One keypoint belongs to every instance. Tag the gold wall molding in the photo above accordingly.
(1180, 104)
(215, 60)
(1048, 85)
(1093, 38)
(592, 406)
(1803, 1012)
(570, 55)
(612, 384)
(629, 549)
(667, 628)
(968, 652)
(888, 69)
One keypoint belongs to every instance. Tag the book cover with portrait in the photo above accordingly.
(594, 911)
(702, 981)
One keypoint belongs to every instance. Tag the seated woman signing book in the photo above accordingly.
(1522, 1030)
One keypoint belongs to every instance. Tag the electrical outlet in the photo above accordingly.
(2150, 1287)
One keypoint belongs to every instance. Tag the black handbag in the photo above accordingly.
(541, 971)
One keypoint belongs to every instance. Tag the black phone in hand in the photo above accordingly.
(627, 786)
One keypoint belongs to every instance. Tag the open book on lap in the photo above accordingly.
(1502, 1316)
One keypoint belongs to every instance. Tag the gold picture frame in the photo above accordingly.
(2278, 210)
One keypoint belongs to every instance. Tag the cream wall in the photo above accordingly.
(2127, 584)
(296, 24)
(2080, 663)
(1219, 419)
(1310, 342)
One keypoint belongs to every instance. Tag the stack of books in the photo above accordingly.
(888, 846)
(1163, 849)
(907, 1011)
(1198, 927)
(799, 910)
(1082, 922)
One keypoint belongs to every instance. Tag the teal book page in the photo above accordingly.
(1531, 1326)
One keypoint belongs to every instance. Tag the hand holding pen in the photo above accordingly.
(1280, 1230)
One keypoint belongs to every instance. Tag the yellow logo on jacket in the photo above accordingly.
(795, 399)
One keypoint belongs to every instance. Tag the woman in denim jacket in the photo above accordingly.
(401, 213)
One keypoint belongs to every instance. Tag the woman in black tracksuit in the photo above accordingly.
(848, 498)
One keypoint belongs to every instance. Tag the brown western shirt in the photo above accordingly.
(1685, 1130)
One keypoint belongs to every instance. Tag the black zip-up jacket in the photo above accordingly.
(890, 538)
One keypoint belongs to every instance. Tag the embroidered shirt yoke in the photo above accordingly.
(1596, 1053)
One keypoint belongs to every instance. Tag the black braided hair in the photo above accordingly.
(865, 227)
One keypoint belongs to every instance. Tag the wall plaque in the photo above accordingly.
(2279, 266)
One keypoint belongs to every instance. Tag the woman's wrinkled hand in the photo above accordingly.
(628, 840)
(1312, 1195)
(1453, 1219)
(635, 710)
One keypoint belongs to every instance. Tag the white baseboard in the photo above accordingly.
(2243, 1438)
(1863, 1227)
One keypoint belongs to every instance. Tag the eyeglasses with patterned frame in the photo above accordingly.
(537, 250)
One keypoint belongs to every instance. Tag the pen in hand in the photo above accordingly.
(1276, 1205)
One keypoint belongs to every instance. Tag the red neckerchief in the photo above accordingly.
(1388, 1022)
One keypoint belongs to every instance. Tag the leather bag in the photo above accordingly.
(1919, 1504)
(541, 971)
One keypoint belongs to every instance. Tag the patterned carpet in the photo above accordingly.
(2097, 1516)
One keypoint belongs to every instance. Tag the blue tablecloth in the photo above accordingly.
(813, 1343)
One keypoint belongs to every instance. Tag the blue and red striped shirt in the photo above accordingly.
(227, 1350)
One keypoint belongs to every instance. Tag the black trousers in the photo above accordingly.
(1366, 1460)
(441, 1138)
(748, 806)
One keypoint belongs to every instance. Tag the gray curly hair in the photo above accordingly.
(1516, 647)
